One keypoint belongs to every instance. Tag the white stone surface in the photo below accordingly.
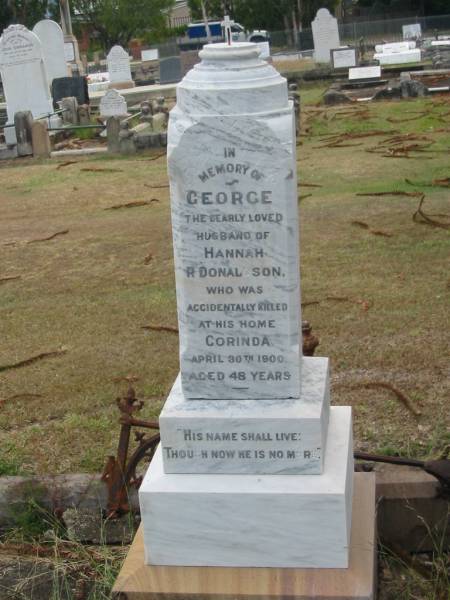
(51, 37)
(394, 47)
(150, 54)
(343, 57)
(325, 32)
(412, 31)
(24, 76)
(232, 168)
(253, 520)
(69, 51)
(249, 436)
(364, 73)
(264, 48)
(113, 104)
(399, 58)
(118, 62)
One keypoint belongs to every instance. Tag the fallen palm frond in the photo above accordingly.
(32, 359)
(420, 217)
(398, 394)
(66, 164)
(391, 193)
(156, 187)
(133, 204)
(10, 278)
(360, 224)
(50, 237)
(160, 328)
(300, 198)
(101, 170)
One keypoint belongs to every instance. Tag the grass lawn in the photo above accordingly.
(375, 286)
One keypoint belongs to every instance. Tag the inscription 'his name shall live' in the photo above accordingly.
(242, 436)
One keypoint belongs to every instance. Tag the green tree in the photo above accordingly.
(271, 14)
(118, 21)
(26, 12)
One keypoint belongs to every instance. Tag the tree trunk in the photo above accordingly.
(295, 27)
(205, 20)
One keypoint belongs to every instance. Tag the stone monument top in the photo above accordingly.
(235, 227)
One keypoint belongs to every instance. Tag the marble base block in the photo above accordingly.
(253, 520)
(249, 436)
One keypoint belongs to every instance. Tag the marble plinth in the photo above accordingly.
(399, 58)
(137, 580)
(253, 520)
(249, 436)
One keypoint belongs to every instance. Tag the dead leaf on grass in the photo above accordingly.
(300, 198)
(441, 182)
(156, 187)
(148, 259)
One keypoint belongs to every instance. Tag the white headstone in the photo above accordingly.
(24, 76)
(244, 432)
(394, 47)
(264, 48)
(325, 35)
(118, 65)
(113, 104)
(69, 51)
(51, 37)
(343, 57)
(364, 73)
(413, 31)
(151, 54)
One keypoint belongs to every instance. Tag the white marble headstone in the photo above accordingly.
(343, 57)
(24, 76)
(413, 31)
(325, 32)
(51, 37)
(113, 104)
(118, 65)
(235, 229)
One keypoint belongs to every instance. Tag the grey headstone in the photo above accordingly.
(23, 122)
(65, 87)
(112, 133)
(70, 108)
(170, 70)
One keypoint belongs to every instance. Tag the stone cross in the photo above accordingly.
(227, 23)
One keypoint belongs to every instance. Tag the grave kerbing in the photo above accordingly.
(249, 445)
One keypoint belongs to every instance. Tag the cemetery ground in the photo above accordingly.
(87, 287)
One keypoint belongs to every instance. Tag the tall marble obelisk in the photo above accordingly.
(254, 469)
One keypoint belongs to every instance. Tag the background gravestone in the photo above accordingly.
(67, 87)
(52, 39)
(113, 105)
(119, 67)
(170, 70)
(325, 35)
(23, 122)
(24, 76)
(40, 140)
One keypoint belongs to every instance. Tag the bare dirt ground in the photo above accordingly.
(86, 263)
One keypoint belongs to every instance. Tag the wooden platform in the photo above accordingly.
(137, 581)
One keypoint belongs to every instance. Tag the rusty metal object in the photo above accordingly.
(440, 469)
(310, 341)
(121, 472)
